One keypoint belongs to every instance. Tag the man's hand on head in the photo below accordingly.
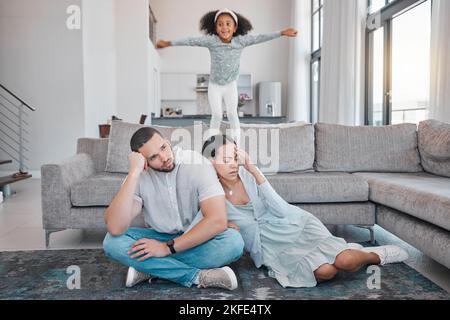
(147, 248)
(136, 163)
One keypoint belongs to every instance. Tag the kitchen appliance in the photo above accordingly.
(269, 99)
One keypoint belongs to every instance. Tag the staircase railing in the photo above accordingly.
(13, 127)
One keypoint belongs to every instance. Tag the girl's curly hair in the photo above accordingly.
(208, 26)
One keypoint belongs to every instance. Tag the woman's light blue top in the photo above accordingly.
(225, 57)
(266, 207)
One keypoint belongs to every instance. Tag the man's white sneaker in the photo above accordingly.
(354, 246)
(134, 277)
(218, 278)
(388, 254)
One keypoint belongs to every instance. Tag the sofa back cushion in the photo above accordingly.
(284, 147)
(434, 147)
(376, 149)
(121, 133)
(97, 149)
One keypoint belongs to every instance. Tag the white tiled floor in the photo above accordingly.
(21, 229)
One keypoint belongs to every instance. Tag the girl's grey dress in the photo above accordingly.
(288, 240)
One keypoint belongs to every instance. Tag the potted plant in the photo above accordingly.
(243, 98)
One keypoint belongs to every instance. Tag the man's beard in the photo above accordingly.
(173, 163)
(165, 170)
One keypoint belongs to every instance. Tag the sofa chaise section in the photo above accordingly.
(432, 240)
(421, 195)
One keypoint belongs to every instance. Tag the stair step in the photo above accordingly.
(13, 178)
(5, 161)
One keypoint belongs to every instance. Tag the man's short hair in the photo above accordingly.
(141, 137)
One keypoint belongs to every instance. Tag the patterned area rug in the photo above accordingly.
(43, 275)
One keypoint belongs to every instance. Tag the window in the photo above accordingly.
(398, 67)
(377, 77)
(316, 45)
(375, 5)
(411, 40)
(315, 87)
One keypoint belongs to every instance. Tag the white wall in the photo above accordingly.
(267, 61)
(132, 58)
(76, 79)
(154, 84)
(41, 61)
(99, 60)
(119, 62)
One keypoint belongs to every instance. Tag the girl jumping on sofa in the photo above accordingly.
(226, 37)
(295, 246)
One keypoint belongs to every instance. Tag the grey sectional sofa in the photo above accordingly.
(395, 176)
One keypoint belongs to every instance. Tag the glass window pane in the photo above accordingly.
(316, 5)
(411, 33)
(315, 77)
(375, 5)
(321, 28)
(377, 77)
(315, 31)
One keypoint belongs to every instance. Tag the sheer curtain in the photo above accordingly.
(299, 62)
(440, 61)
(342, 70)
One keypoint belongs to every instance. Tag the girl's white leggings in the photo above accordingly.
(228, 93)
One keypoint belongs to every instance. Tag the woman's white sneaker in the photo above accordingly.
(134, 277)
(388, 254)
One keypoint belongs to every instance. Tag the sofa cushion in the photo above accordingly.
(434, 147)
(97, 190)
(94, 217)
(372, 149)
(121, 133)
(97, 149)
(355, 213)
(284, 147)
(421, 195)
(320, 187)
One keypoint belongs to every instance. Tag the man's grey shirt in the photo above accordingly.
(171, 200)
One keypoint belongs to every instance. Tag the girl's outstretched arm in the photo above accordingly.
(249, 40)
(204, 41)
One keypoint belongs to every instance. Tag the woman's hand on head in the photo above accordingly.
(245, 160)
(249, 165)
(161, 44)
(289, 32)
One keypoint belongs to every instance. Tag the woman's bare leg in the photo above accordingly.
(353, 260)
(325, 272)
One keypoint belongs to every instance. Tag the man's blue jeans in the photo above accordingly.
(181, 267)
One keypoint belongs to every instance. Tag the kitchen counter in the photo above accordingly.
(189, 120)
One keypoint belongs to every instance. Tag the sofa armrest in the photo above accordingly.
(56, 180)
